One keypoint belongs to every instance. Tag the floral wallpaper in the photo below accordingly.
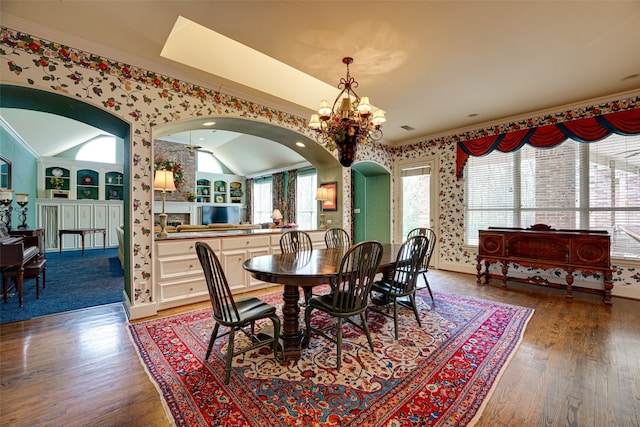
(144, 99)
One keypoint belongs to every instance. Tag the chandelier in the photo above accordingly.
(348, 122)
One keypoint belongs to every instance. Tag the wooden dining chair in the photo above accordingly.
(234, 314)
(401, 284)
(356, 274)
(294, 241)
(337, 238)
(424, 265)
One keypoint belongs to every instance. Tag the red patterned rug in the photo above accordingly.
(437, 375)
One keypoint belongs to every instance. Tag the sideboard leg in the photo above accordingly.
(478, 271)
(486, 272)
(505, 270)
(570, 284)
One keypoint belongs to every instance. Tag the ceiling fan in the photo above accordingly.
(190, 147)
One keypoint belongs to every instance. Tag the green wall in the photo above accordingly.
(371, 197)
(23, 178)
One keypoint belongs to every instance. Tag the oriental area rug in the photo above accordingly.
(435, 375)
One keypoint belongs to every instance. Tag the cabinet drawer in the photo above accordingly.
(170, 268)
(183, 290)
(174, 248)
(244, 242)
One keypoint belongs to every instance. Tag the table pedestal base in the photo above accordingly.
(292, 337)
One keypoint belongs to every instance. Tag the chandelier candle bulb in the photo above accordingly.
(364, 107)
(378, 118)
(314, 123)
(324, 111)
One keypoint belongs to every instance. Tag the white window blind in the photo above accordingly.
(571, 186)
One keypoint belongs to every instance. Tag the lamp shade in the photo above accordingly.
(22, 197)
(323, 194)
(6, 194)
(276, 214)
(164, 181)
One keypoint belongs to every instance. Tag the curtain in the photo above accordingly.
(277, 188)
(249, 201)
(584, 130)
(292, 190)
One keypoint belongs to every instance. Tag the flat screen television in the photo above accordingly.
(220, 214)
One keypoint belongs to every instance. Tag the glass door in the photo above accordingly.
(416, 186)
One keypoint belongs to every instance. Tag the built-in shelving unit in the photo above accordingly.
(219, 191)
(113, 186)
(57, 178)
(77, 180)
(87, 184)
(203, 190)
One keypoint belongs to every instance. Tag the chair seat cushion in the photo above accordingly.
(251, 308)
(325, 303)
(387, 288)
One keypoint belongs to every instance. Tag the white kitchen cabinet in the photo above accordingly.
(178, 276)
(234, 251)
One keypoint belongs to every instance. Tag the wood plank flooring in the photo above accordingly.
(578, 365)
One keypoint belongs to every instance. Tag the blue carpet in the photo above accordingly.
(73, 282)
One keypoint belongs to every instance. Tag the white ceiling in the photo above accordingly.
(436, 66)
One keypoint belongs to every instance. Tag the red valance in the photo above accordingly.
(583, 130)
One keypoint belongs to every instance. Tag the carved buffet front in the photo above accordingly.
(542, 247)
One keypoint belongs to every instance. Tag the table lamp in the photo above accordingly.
(22, 199)
(163, 182)
(277, 216)
(322, 196)
(6, 197)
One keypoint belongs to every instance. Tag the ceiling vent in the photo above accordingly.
(408, 128)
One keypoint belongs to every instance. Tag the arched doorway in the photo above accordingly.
(37, 100)
(371, 202)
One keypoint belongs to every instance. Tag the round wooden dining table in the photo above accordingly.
(306, 268)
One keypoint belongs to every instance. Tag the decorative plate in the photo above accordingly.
(219, 199)
(87, 180)
(57, 172)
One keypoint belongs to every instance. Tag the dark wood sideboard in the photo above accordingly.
(540, 246)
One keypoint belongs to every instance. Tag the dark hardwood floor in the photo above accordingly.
(578, 365)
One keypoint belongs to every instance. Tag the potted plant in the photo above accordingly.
(56, 182)
(192, 196)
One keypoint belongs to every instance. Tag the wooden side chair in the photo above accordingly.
(424, 266)
(351, 294)
(337, 238)
(402, 283)
(234, 314)
(294, 241)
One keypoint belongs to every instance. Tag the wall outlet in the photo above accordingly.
(356, 210)
(328, 221)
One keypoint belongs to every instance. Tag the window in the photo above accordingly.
(573, 185)
(306, 204)
(100, 149)
(262, 203)
(207, 162)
